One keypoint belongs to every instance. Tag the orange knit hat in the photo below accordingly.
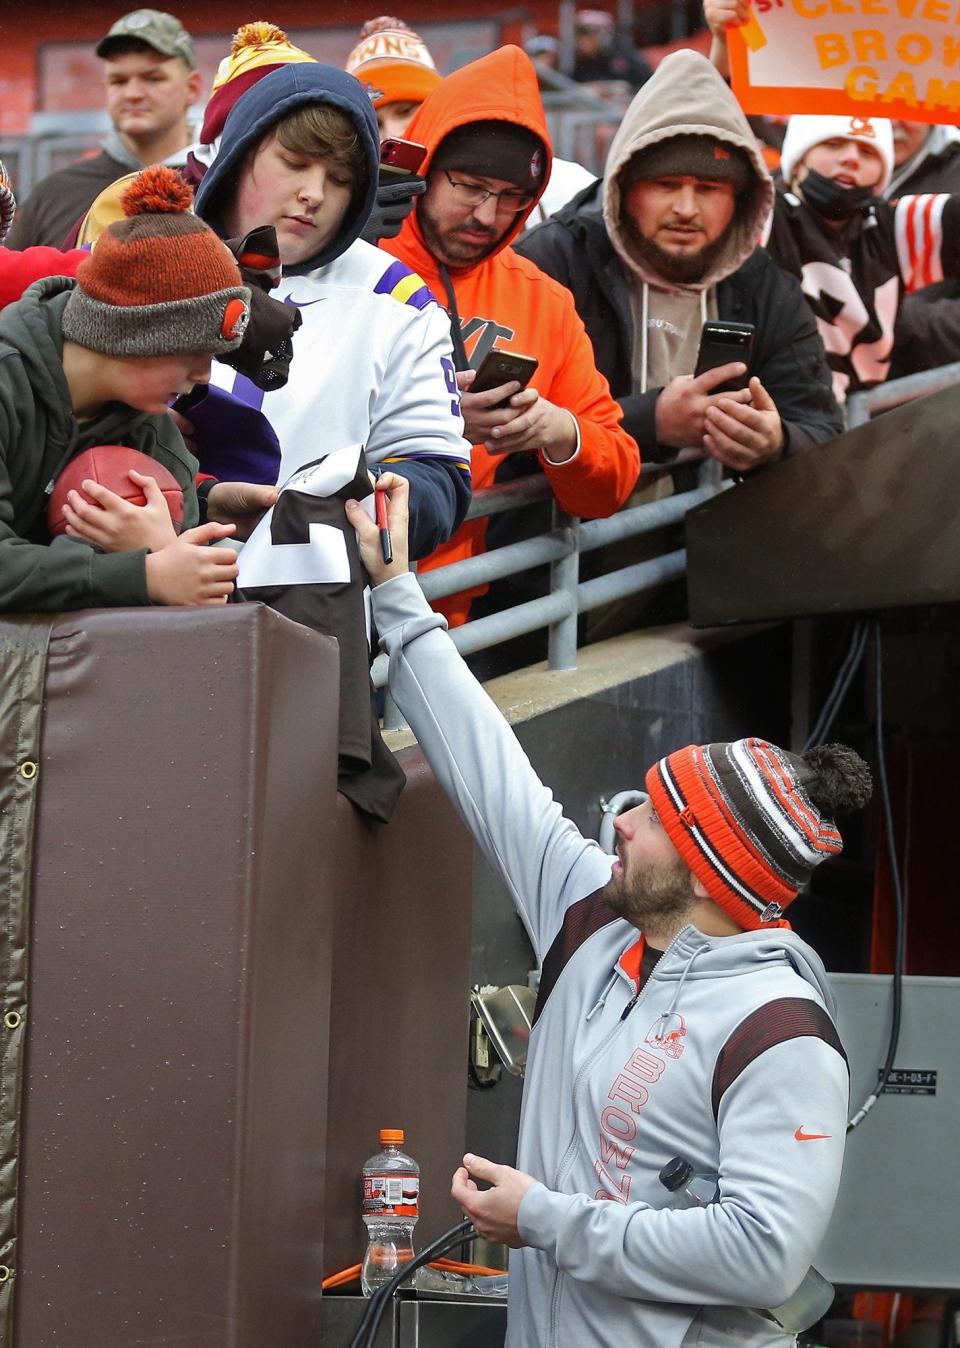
(160, 282)
(752, 821)
(392, 63)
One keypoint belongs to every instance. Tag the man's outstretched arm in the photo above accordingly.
(541, 857)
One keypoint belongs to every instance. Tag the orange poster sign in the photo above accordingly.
(861, 58)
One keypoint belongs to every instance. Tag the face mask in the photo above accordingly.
(832, 199)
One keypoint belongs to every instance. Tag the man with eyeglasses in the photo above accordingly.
(488, 161)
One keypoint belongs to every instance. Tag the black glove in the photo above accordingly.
(266, 351)
(394, 203)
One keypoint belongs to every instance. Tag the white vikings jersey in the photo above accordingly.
(372, 366)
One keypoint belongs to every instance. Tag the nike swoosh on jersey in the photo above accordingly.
(801, 1136)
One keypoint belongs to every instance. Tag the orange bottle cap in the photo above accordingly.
(391, 1137)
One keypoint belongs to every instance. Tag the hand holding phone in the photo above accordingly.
(397, 189)
(722, 342)
(503, 367)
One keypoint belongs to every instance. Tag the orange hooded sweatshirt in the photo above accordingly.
(506, 301)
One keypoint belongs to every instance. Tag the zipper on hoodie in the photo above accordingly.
(568, 1155)
(567, 1159)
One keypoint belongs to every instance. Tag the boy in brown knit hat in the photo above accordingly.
(96, 361)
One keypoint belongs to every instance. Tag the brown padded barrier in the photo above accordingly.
(195, 1115)
(175, 1095)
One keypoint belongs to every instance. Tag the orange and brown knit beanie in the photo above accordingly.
(159, 283)
(752, 821)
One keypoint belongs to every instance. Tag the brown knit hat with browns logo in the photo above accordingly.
(159, 283)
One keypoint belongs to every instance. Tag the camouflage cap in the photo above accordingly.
(163, 32)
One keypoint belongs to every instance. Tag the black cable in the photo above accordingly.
(858, 646)
(378, 1302)
(891, 849)
(841, 684)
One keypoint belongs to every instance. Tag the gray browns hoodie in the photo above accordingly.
(685, 96)
(618, 1084)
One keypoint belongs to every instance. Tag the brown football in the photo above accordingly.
(110, 466)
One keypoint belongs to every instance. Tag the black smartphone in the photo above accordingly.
(721, 342)
(400, 159)
(500, 367)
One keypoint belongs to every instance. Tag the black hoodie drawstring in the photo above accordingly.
(456, 336)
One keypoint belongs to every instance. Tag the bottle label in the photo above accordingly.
(391, 1196)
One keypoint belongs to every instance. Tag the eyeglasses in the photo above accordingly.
(471, 194)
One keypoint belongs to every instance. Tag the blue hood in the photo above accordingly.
(268, 102)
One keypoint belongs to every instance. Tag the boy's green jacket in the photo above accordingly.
(39, 435)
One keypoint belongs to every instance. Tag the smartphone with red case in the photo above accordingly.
(400, 159)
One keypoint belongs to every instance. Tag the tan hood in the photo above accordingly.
(687, 96)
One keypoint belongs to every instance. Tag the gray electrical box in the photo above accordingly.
(897, 1219)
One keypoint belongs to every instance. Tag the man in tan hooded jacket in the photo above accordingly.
(670, 238)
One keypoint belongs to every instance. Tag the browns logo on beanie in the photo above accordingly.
(752, 821)
(159, 283)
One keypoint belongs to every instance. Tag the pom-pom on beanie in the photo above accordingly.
(160, 282)
(256, 49)
(752, 821)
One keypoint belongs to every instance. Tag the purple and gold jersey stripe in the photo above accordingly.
(405, 286)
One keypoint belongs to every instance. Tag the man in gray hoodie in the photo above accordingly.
(670, 238)
(677, 1016)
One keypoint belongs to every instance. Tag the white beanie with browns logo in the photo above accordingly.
(805, 131)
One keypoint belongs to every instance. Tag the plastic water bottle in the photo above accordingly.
(812, 1299)
(391, 1206)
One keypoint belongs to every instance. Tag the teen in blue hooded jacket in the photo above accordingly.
(372, 361)
(372, 371)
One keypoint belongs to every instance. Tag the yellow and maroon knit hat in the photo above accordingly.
(256, 49)
(752, 821)
(392, 62)
(160, 282)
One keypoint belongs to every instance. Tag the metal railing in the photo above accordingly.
(862, 406)
(561, 547)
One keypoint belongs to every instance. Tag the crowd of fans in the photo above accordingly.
(370, 300)
(288, 331)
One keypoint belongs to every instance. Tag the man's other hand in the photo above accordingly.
(530, 422)
(493, 1211)
(397, 490)
(240, 503)
(682, 404)
(744, 435)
